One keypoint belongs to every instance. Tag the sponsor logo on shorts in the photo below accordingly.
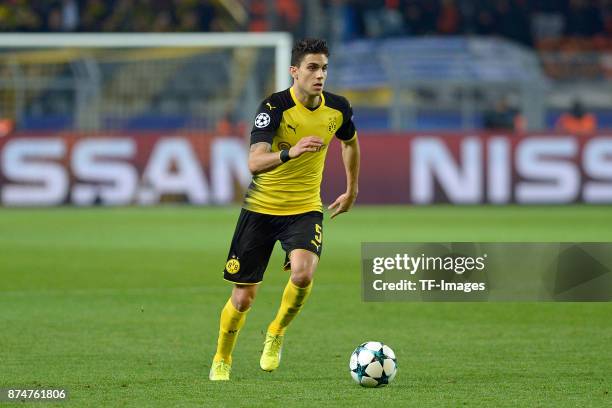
(232, 266)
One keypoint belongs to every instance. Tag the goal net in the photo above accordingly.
(101, 82)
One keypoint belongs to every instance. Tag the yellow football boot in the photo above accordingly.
(220, 371)
(271, 354)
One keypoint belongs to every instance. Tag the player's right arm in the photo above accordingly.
(261, 159)
(267, 121)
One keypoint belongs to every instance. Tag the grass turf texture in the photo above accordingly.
(121, 306)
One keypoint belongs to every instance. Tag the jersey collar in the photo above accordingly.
(299, 104)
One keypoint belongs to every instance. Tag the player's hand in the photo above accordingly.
(306, 144)
(342, 204)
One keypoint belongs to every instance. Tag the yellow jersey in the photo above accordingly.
(294, 187)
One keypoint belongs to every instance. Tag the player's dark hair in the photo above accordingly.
(308, 46)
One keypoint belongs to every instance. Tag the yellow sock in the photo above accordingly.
(231, 322)
(294, 298)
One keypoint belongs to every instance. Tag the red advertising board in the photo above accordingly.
(479, 168)
(122, 169)
(409, 168)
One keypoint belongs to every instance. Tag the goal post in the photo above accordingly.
(280, 41)
(104, 80)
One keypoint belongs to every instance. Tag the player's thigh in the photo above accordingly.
(303, 266)
(250, 250)
(302, 240)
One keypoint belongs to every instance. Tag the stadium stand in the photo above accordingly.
(442, 39)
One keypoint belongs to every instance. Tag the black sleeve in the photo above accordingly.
(267, 120)
(347, 130)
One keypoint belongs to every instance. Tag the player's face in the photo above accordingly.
(311, 74)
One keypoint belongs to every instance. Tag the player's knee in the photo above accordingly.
(303, 266)
(302, 276)
(301, 281)
(242, 299)
(242, 303)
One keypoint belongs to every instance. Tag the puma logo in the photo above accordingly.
(315, 244)
(292, 128)
(269, 105)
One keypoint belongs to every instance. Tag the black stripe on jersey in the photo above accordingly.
(269, 115)
(347, 130)
(252, 189)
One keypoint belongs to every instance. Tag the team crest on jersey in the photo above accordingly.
(262, 120)
(331, 126)
(284, 146)
(232, 266)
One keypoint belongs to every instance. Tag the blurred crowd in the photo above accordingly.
(107, 15)
(525, 21)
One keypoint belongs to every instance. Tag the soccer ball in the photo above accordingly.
(373, 364)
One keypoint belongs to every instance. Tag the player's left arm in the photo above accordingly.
(350, 157)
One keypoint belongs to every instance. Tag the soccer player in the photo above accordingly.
(289, 141)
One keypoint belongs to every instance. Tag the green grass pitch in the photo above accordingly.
(121, 306)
